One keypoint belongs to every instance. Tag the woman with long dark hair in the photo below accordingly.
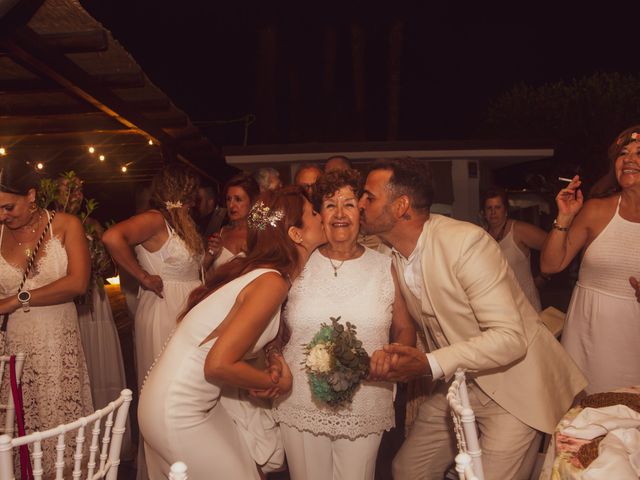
(227, 321)
(602, 330)
(44, 265)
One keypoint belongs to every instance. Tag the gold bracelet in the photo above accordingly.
(558, 227)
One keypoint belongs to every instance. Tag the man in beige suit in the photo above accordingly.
(461, 291)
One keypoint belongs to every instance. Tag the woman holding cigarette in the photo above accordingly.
(516, 239)
(602, 329)
(240, 192)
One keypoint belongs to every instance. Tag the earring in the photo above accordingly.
(33, 207)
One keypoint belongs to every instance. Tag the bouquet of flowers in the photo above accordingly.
(335, 363)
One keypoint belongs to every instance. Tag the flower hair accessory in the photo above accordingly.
(635, 137)
(169, 205)
(260, 216)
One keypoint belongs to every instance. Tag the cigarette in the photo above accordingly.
(565, 179)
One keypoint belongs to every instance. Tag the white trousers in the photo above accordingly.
(320, 457)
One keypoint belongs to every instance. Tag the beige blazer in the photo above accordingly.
(483, 322)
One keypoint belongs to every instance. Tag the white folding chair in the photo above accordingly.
(469, 458)
(7, 397)
(178, 471)
(103, 460)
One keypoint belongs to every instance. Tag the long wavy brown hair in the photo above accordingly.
(270, 247)
(608, 185)
(178, 183)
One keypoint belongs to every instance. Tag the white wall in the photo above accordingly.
(466, 191)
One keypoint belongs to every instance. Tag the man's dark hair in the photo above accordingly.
(212, 189)
(342, 158)
(495, 192)
(409, 177)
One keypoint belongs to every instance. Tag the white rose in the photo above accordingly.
(319, 359)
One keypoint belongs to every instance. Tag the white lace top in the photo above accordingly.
(361, 293)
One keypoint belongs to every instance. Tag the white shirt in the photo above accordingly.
(413, 278)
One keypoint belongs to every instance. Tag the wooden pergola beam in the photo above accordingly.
(26, 86)
(15, 14)
(86, 123)
(61, 138)
(76, 42)
(29, 49)
(7, 108)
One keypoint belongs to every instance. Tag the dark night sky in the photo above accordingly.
(203, 55)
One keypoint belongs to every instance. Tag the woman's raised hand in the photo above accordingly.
(153, 283)
(214, 245)
(570, 199)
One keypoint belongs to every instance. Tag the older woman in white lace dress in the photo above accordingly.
(341, 279)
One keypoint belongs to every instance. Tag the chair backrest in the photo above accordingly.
(7, 397)
(178, 471)
(469, 458)
(103, 459)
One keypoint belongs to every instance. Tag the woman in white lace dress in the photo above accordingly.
(169, 252)
(55, 384)
(188, 407)
(602, 329)
(341, 279)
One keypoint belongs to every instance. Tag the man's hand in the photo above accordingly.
(407, 363)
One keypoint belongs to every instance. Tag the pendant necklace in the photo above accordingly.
(27, 250)
(335, 269)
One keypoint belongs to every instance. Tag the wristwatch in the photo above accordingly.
(24, 297)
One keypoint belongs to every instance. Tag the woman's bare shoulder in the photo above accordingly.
(64, 221)
(596, 207)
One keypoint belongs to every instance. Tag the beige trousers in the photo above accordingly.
(508, 445)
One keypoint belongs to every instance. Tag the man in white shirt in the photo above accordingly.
(461, 291)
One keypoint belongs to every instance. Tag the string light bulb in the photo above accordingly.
(92, 150)
(124, 169)
(101, 158)
(39, 165)
(150, 142)
(3, 151)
